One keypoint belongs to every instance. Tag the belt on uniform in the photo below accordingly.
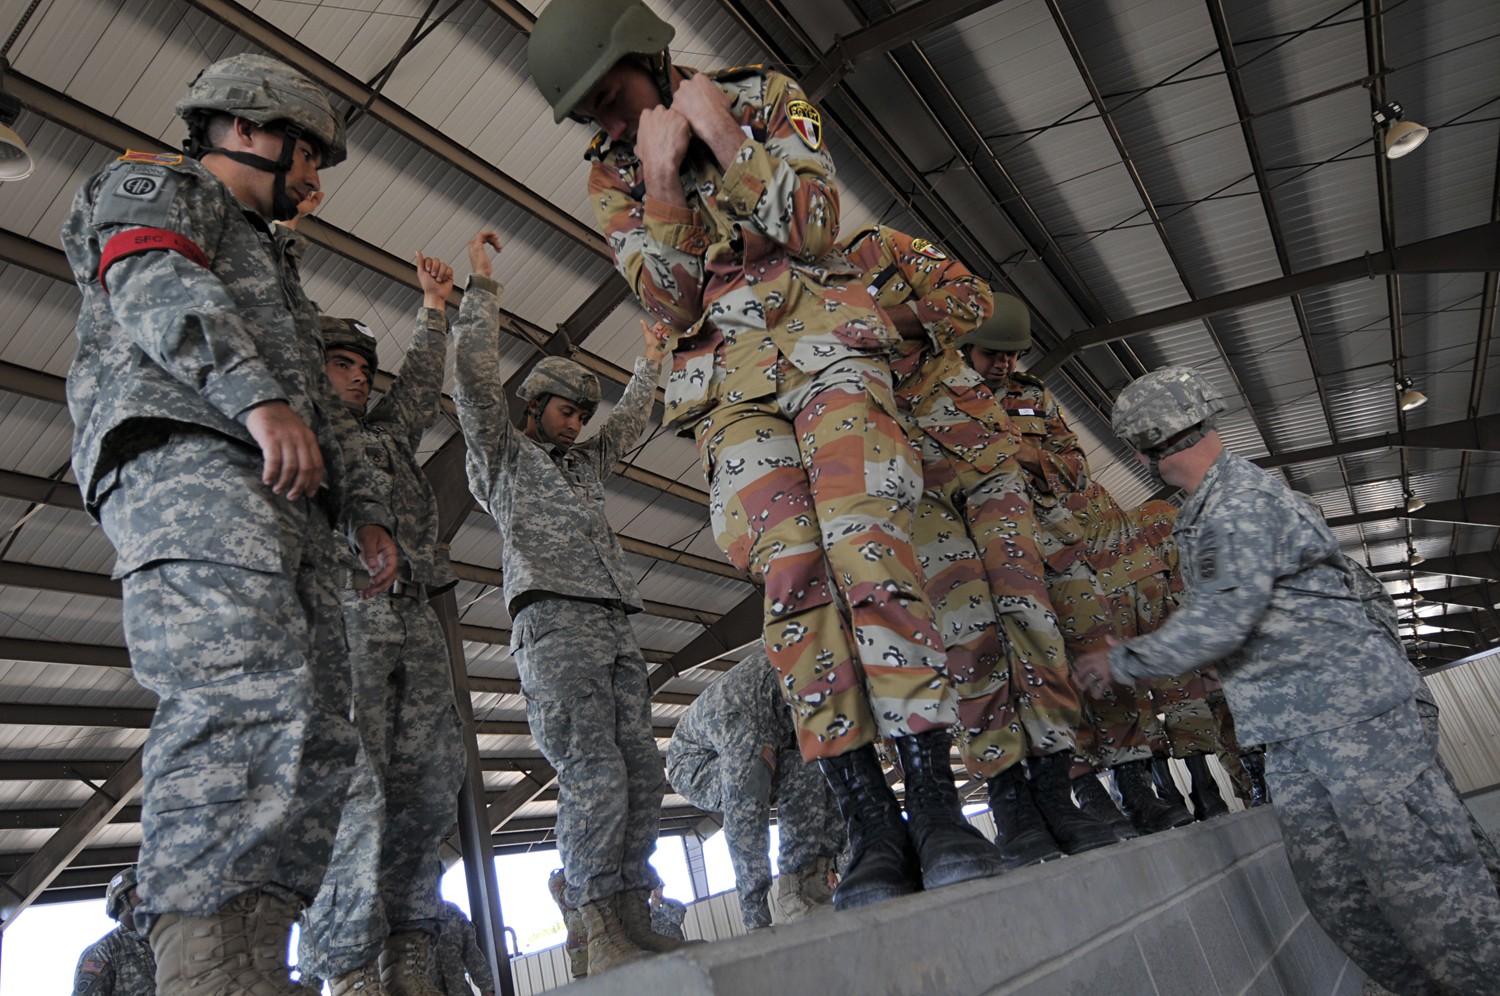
(403, 587)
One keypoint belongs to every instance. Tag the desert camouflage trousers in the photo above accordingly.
(743, 787)
(812, 493)
(251, 748)
(589, 706)
(383, 875)
(978, 544)
(1383, 854)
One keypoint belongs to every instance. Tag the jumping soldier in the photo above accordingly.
(570, 594)
(373, 925)
(716, 194)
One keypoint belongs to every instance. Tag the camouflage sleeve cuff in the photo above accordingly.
(1119, 665)
(648, 369)
(746, 181)
(676, 227)
(436, 320)
(481, 283)
(237, 389)
(367, 512)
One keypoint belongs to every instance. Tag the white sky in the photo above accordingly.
(39, 953)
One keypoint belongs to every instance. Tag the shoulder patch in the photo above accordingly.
(596, 148)
(927, 249)
(805, 118)
(1026, 378)
(154, 158)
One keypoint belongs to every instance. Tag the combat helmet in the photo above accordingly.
(346, 333)
(1007, 330)
(1164, 404)
(117, 894)
(564, 378)
(267, 92)
(575, 42)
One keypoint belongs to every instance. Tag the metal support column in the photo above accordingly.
(473, 827)
(697, 870)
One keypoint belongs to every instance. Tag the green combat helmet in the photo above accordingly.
(1007, 330)
(575, 42)
(117, 895)
(346, 333)
(1162, 404)
(268, 93)
(564, 378)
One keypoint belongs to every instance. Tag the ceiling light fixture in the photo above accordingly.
(1401, 136)
(1413, 558)
(1414, 504)
(1410, 397)
(15, 159)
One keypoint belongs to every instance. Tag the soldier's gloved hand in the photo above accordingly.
(378, 553)
(294, 463)
(479, 260)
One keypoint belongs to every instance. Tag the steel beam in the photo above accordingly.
(1480, 434)
(59, 579)
(892, 31)
(22, 888)
(53, 652)
(1481, 510)
(1472, 250)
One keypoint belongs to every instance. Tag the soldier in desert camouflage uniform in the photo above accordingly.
(1354, 775)
(458, 953)
(735, 752)
(375, 919)
(211, 448)
(120, 963)
(570, 593)
(717, 197)
(978, 543)
(1104, 582)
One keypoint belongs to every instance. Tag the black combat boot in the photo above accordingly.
(1073, 829)
(1020, 832)
(1207, 802)
(1093, 798)
(950, 849)
(1145, 811)
(1255, 766)
(1166, 785)
(882, 864)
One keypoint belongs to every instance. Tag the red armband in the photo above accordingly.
(145, 240)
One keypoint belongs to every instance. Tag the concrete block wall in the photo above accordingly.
(1209, 910)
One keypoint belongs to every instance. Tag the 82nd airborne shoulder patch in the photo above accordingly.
(808, 122)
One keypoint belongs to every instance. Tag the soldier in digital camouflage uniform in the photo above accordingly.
(1354, 774)
(735, 752)
(210, 447)
(716, 195)
(979, 546)
(577, 943)
(458, 953)
(375, 919)
(570, 594)
(667, 915)
(120, 963)
(1102, 580)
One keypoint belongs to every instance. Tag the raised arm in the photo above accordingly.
(627, 420)
(413, 401)
(478, 391)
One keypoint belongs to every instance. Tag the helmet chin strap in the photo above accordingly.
(541, 431)
(283, 208)
(1189, 438)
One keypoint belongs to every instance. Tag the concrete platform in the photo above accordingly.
(1207, 910)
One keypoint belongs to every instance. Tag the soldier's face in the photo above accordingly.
(992, 364)
(617, 100)
(301, 180)
(562, 420)
(350, 374)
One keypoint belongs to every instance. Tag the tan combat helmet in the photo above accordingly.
(346, 333)
(1163, 404)
(1007, 330)
(575, 42)
(557, 375)
(271, 94)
